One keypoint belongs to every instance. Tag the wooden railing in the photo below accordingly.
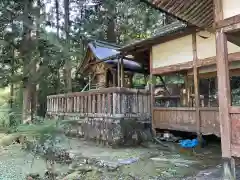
(103, 102)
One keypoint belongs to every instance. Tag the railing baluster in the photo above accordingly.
(93, 103)
(109, 103)
(82, 105)
(89, 103)
(85, 104)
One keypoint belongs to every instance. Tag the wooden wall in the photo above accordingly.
(180, 51)
(235, 131)
(206, 47)
(172, 52)
(230, 8)
(184, 119)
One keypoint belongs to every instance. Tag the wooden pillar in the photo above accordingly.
(188, 90)
(118, 73)
(223, 92)
(114, 78)
(152, 88)
(209, 92)
(196, 85)
(224, 99)
(89, 81)
(122, 73)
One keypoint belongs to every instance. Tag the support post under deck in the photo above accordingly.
(196, 86)
(122, 72)
(224, 102)
(118, 72)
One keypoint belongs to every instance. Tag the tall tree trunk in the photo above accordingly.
(67, 66)
(25, 55)
(33, 69)
(111, 34)
(57, 79)
(57, 16)
(11, 117)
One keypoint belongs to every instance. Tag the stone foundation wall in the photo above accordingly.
(112, 131)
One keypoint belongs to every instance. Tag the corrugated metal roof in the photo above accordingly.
(195, 12)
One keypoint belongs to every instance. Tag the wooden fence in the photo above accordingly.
(103, 102)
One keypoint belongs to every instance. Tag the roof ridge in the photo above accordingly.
(105, 43)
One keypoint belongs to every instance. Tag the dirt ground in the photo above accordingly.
(96, 162)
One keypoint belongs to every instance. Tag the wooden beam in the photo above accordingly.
(196, 85)
(227, 22)
(223, 93)
(173, 68)
(232, 28)
(189, 65)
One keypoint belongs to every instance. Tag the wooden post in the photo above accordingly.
(114, 78)
(224, 101)
(89, 81)
(122, 73)
(152, 88)
(118, 73)
(196, 86)
(223, 92)
(188, 91)
(224, 97)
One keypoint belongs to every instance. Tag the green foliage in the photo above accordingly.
(123, 21)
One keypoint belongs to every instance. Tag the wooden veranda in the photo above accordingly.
(222, 18)
(205, 45)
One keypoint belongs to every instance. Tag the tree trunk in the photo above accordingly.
(57, 79)
(25, 48)
(11, 117)
(57, 16)
(12, 62)
(33, 70)
(67, 66)
(111, 34)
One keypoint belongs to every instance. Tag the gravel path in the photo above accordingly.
(15, 163)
